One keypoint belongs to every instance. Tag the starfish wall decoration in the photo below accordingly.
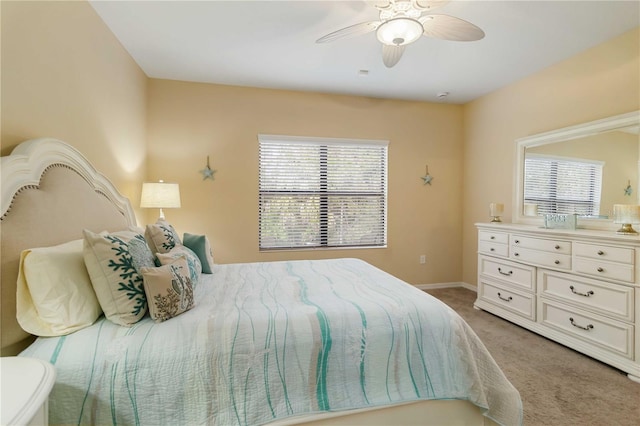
(427, 178)
(207, 172)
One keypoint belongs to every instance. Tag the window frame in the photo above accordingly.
(324, 193)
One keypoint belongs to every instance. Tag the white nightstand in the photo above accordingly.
(26, 384)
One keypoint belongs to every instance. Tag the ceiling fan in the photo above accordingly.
(403, 21)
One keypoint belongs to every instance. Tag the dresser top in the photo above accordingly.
(580, 234)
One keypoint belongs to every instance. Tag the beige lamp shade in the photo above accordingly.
(160, 195)
(626, 214)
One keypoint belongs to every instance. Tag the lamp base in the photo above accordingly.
(495, 219)
(626, 229)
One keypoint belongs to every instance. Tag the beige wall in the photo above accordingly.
(600, 82)
(66, 76)
(188, 121)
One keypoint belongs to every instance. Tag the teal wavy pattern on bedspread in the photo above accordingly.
(267, 341)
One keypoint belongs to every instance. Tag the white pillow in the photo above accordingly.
(54, 292)
(114, 278)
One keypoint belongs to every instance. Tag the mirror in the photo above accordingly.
(606, 152)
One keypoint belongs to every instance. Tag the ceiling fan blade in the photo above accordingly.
(450, 28)
(430, 4)
(350, 31)
(391, 54)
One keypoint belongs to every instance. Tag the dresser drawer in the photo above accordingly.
(496, 237)
(605, 270)
(542, 258)
(520, 303)
(612, 300)
(522, 276)
(489, 247)
(608, 253)
(609, 334)
(552, 246)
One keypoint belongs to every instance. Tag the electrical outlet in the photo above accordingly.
(423, 259)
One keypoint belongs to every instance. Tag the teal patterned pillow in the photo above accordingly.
(195, 267)
(114, 278)
(169, 289)
(161, 237)
(141, 254)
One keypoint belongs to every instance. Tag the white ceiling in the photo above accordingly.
(271, 44)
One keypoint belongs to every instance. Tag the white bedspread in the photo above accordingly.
(267, 341)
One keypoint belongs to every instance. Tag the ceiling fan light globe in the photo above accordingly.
(399, 31)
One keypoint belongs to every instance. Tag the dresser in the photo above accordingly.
(580, 288)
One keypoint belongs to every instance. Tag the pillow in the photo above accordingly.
(169, 289)
(161, 236)
(54, 294)
(192, 261)
(141, 254)
(201, 247)
(115, 280)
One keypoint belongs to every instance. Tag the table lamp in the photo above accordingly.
(160, 195)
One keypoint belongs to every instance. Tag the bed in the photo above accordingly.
(317, 342)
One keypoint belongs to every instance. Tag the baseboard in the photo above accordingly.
(447, 285)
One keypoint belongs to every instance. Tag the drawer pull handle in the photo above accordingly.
(557, 247)
(557, 262)
(517, 241)
(588, 327)
(600, 252)
(492, 249)
(505, 273)
(600, 269)
(508, 299)
(516, 254)
(587, 294)
(493, 237)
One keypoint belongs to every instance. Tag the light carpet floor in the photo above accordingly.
(558, 385)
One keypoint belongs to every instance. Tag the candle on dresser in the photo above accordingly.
(496, 209)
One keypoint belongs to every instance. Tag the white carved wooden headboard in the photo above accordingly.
(50, 193)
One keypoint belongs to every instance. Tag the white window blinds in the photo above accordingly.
(563, 185)
(321, 193)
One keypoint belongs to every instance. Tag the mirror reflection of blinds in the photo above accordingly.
(563, 185)
(321, 193)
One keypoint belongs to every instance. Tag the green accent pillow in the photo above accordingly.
(117, 284)
(169, 289)
(201, 247)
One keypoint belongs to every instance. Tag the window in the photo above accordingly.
(563, 185)
(320, 193)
